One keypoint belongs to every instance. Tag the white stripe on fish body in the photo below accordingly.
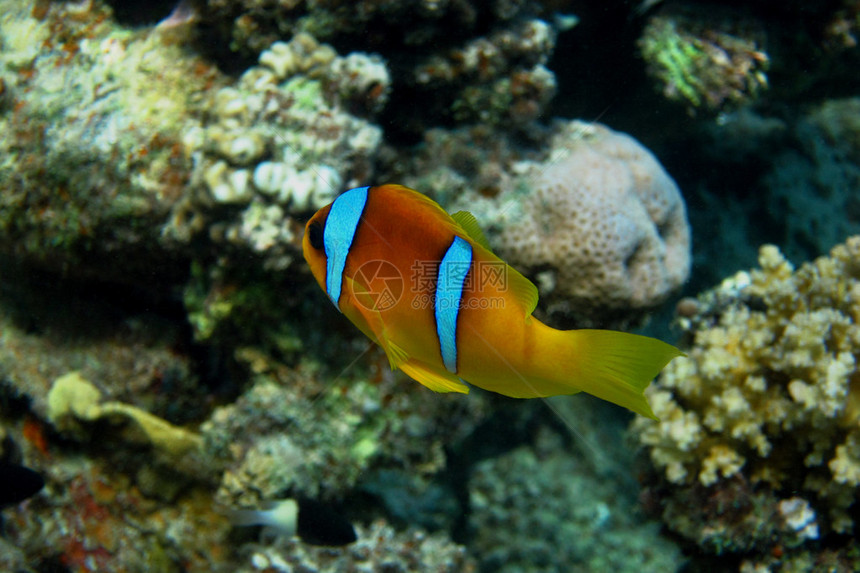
(340, 227)
(449, 292)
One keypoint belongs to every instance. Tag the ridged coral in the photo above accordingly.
(769, 396)
(599, 223)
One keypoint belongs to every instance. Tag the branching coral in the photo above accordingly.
(770, 392)
(279, 142)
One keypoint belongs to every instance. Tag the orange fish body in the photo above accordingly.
(448, 312)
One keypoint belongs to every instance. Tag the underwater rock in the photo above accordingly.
(764, 410)
(812, 185)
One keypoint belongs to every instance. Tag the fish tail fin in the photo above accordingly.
(614, 366)
(281, 515)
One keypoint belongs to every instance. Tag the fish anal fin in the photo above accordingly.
(470, 224)
(436, 381)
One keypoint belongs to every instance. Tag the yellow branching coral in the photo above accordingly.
(771, 386)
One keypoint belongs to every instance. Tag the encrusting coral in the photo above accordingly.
(90, 126)
(706, 62)
(768, 400)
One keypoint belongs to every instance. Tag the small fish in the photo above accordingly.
(17, 483)
(313, 522)
(448, 312)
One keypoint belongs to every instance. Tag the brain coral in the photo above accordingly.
(600, 224)
(770, 393)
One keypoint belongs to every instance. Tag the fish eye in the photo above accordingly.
(315, 235)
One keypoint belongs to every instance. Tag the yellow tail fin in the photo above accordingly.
(614, 366)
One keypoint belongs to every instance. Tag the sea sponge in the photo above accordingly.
(768, 395)
(600, 225)
(73, 398)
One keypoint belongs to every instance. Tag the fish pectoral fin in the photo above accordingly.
(436, 381)
(396, 355)
(470, 224)
(371, 322)
(375, 323)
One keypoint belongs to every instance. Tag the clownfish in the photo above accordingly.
(448, 312)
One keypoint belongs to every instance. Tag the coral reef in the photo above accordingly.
(540, 508)
(599, 224)
(109, 503)
(843, 29)
(91, 126)
(705, 62)
(279, 142)
(464, 63)
(812, 184)
(316, 439)
(51, 328)
(379, 548)
(501, 79)
(164, 358)
(761, 418)
(95, 519)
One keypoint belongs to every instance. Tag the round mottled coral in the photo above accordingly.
(604, 219)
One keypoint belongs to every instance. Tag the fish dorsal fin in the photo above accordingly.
(470, 224)
(523, 289)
